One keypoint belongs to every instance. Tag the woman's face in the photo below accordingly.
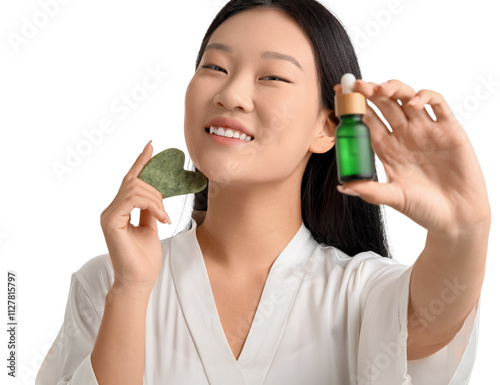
(257, 75)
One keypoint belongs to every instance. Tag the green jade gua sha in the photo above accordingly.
(354, 152)
(165, 172)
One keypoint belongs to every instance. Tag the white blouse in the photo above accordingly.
(323, 318)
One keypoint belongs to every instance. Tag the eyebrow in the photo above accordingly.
(265, 55)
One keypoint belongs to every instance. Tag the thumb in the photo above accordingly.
(374, 192)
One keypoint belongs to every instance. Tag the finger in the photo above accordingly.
(437, 102)
(391, 98)
(137, 186)
(136, 183)
(147, 220)
(380, 136)
(375, 193)
(388, 107)
(396, 90)
(125, 207)
(143, 190)
(140, 162)
(146, 186)
(401, 94)
(377, 126)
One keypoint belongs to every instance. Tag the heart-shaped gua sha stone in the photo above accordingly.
(165, 172)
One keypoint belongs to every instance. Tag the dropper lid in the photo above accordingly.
(349, 102)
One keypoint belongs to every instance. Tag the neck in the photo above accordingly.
(246, 227)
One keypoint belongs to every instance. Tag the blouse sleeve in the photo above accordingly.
(382, 355)
(68, 360)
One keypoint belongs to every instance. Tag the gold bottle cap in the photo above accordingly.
(352, 103)
(349, 102)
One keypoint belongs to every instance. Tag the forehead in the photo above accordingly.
(265, 29)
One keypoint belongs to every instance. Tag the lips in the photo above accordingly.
(225, 122)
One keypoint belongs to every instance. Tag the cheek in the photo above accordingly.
(192, 120)
(199, 93)
(191, 96)
(290, 123)
(196, 99)
(284, 140)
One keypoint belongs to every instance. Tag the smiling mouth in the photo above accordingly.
(229, 133)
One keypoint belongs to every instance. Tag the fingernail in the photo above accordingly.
(147, 145)
(348, 191)
(166, 217)
(414, 101)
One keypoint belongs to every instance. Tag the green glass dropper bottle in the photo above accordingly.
(353, 146)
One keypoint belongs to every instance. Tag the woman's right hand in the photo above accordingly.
(135, 251)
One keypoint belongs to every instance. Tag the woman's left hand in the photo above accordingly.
(433, 174)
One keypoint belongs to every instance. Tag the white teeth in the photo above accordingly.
(228, 133)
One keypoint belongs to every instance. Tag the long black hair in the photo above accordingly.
(334, 219)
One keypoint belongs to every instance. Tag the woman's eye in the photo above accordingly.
(276, 78)
(220, 69)
(215, 68)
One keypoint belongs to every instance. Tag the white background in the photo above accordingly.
(63, 81)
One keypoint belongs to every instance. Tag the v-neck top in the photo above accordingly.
(323, 318)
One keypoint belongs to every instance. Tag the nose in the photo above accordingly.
(236, 94)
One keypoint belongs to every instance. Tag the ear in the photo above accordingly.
(325, 139)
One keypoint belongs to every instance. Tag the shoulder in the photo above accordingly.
(337, 257)
(96, 273)
(92, 281)
(357, 276)
(359, 268)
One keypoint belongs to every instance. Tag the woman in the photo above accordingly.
(280, 278)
